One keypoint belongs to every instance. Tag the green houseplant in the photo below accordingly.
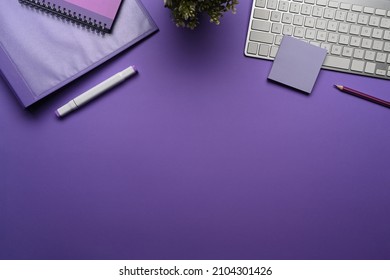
(185, 13)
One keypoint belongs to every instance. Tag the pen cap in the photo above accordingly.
(128, 72)
(66, 109)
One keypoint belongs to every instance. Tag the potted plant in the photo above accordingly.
(185, 13)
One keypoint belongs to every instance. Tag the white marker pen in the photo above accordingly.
(96, 91)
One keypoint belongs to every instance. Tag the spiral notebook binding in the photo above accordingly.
(68, 14)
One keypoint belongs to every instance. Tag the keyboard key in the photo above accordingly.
(294, 8)
(344, 39)
(352, 17)
(322, 2)
(272, 4)
(386, 35)
(329, 13)
(368, 10)
(370, 68)
(309, 22)
(332, 25)
(278, 39)
(261, 25)
(343, 27)
(333, 37)
(385, 23)
(358, 53)
(366, 31)
(321, 35)
(287, 18)
(299, 32)
(298, 20)
(310, 34)
(261, 14)
(287, 30)
(386, 48)
(374, 21)
(357, 8)
(333, 4)
(276, 16)
(336, 49)
(317, 11)
(310, 1)
(380, 72)
(370, 55)
(283, 6)
(363, 19)
(347, 51)
(377, 33)
(314, 43)
(260, 3)
(261, 37)
(326, 46)
(305, 10)
(337, 62)
(357, 65)
(264, 50)
(252, 48)
(276, 28)
(321, 23)
(381, 57)
(355, 29)
(340, 15)
(274, 51)
(381, 67)
(377, 45)
(345, 6)
(355, 41)
(380, 12)
(366, 43)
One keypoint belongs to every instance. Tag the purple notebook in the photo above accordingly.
(39, 54)
(98, 14)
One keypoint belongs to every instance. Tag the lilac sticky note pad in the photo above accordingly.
(297, 64)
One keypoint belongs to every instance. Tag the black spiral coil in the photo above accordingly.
(67, 14)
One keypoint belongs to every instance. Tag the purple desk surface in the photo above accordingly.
(197, 157)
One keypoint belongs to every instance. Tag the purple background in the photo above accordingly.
(197, 157)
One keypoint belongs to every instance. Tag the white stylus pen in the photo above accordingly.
(96, 91)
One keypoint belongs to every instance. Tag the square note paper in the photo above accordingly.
(297, 64)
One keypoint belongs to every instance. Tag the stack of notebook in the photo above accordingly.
(42, 51)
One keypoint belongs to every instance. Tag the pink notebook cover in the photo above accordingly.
(107, 8)
(99, 13)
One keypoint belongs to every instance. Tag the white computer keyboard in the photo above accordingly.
(356, 37)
